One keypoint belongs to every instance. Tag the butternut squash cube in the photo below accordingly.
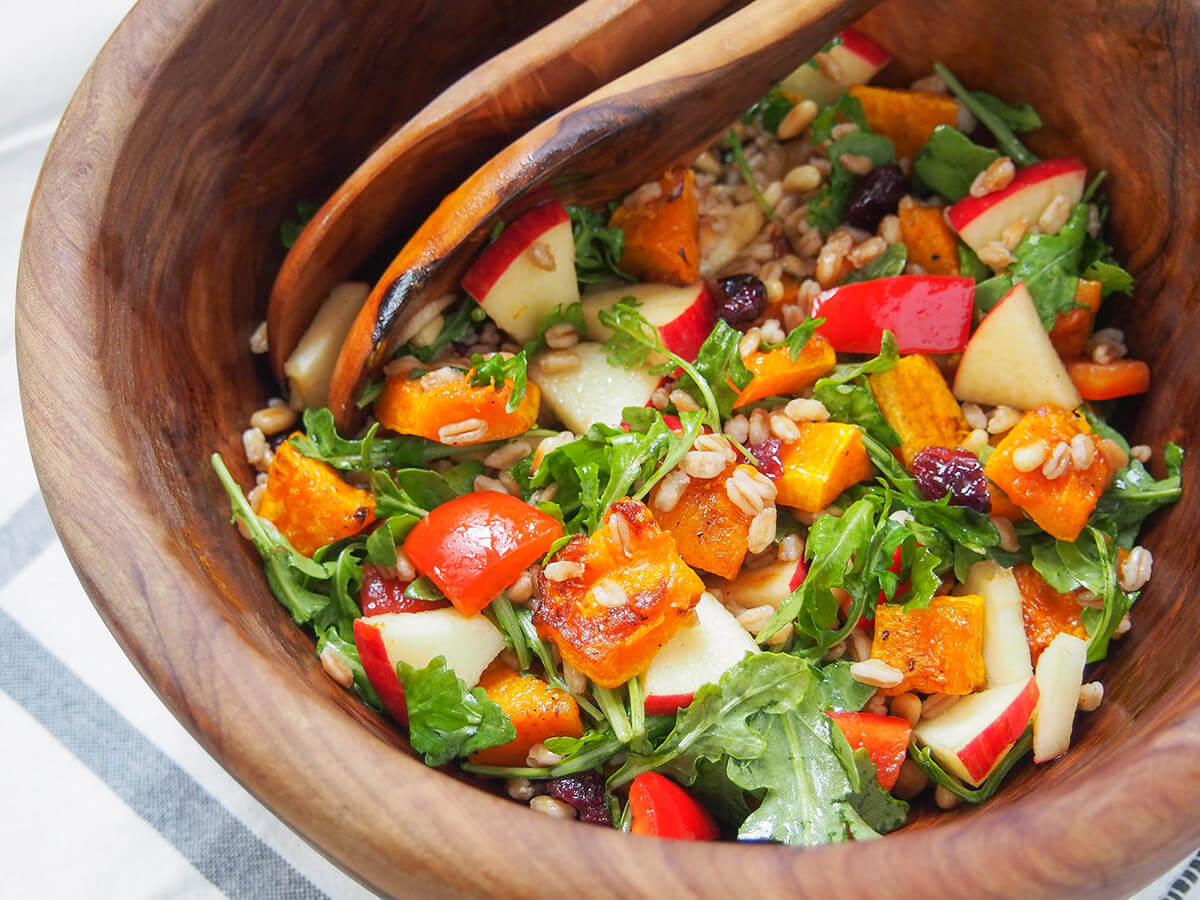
(1047, 613)
(931, 244)
(907, 117)
(662, 236)
(710, 530)
(537, 710)
(309, 503)
(916, 401)
(827, 459)
(1061, 505)
(1072, 329)
(776, 374)
(939, 649)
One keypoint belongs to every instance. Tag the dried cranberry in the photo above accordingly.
(767, 454)
(740, 298)
(584, 792)
(940, 471)
(878, 194)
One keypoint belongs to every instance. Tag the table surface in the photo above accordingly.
(96, 770)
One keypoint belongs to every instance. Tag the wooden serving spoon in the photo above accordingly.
(603, 145)
(461, 128)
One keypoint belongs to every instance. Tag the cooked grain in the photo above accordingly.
(876, 673)
(468, 431)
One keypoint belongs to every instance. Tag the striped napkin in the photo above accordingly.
(105, 794)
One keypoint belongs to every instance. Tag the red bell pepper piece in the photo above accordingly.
(926, 313)
(475, 546)
(380, 595)
(663, 809)
(885, 738)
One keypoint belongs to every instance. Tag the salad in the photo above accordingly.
(774, 496)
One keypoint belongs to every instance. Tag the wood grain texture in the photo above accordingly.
(608, 143)
(149, 255)
(392, 191)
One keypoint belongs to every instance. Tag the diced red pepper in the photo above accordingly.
(663, 809)
(926, 313)
(382, 594)
(475, 546)
(885, 738)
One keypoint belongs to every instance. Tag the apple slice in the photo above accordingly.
(528, 271)
(593, 391)
(981, 220)
(972, 737)
(1005, 648)
(1059, 678)
(698, 654)
(468, 643)
(684, 316)
(855, 59)
(1010, 360)
(310, 367)
(769, 584)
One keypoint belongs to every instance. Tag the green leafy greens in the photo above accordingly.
(598, 247)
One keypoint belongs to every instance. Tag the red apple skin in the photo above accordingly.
(513, 241)
(687, 332)
(379, 670)
(799, 575)
(861, 45)
(666, 704)
(981, 755)
(967, 209)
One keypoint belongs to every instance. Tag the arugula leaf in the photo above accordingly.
(807, 789)
(827, 209)
(572, 315)
(846, 109)
(1114, 279)
(496, 370)
(991, 291)
(880, 810)
(971, 265)
(770, 110)
(923, 757)
(848, 397)
(837, 690)
(950, 161)
(411, 492)
(445, 719)
(989, 118)
(887, 264)
(799, 337)
(1019, 117)
(1135, 494)
(719, 362)
(598, 247)
(715, 723)
(725, 800)
(381, 543)
(290, 230)
(1049, 266)
(331, 641)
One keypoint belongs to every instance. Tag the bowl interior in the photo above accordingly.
(147, 264)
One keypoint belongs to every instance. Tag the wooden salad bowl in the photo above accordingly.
(150, 252)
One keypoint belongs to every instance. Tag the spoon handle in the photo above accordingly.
(610, 141)
(472, 119)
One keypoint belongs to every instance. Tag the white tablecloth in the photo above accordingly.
(105, 794)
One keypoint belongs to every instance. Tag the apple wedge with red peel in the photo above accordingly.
(769, 584)
(527, 272)
(981, 220)
(468, 644)
(698, 654)
(1059, 678)
(684, 316)
(1010, 360)
(592, 391)
(1005, 647)
(971, 738)
(855, 57)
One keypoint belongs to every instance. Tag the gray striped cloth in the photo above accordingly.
(104, 793)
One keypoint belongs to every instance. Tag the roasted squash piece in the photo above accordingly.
(931, 244)
(939, 649)
(662, 236)
(1047, 612)
(776, 374)
(1107, 381)
(537, 710)
(1002, 507)
(710, 530)
(444, 406)
(916, 401)
(1072, 329)
(309, 502)
(1061, 506)
(634, 594)
(827, 459)
(907, 117)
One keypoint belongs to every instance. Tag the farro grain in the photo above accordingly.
(759, 429)
(806, 409)
(716, 444)
(784, 428)
(936, 704)
(1083, 452)
(468, 431)
(258, 339)
(273, 419)
(974, 415)
(1055, 215)
(563, 570)
(540, 755)
(772, 332)
(1136, 570)
(1141, 452)
(555, 362)
(750, 342)
(1058, 462)
(1002, 419)
(1030, 456)
(483, 483)
(254, 443)
(860, 644)
(254, 498)
(856, 163)
(996, 177)
(521, 590)
(576, 681)
(738, 428)
(889, 229)
(503, 457)
(774, 285)
(562, 336)
(867, 251)
(876, 673)
(547, 805)
(671, 489)
(841, 129)
(996, 256)
(907, 706)
(335, 667)
(431, 381)
(931, 84)
(521, 789)
(798, 118)
(683, 401)
(1008, 534)
(1014, 232)
(1114, 455)
(1123, 626)
(1090, 696)
(703, 464)
(790, 548)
